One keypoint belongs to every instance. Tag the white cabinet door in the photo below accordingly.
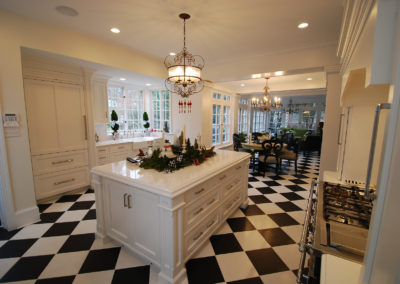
(71, 117)
(100, 101)
(118, 217)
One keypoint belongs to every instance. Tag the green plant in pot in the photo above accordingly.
(114, 124)
(146, 124)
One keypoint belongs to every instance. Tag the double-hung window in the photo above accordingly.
(221, 119)
(242, 125)
(128, 104)
(259, 121)
(161, 110)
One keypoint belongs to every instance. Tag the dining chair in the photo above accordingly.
(290, 155)
(270, 155)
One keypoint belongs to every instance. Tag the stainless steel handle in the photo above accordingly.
(198, 236)
(106, 114)
(200, 191)
(125, 199)
(211, 223)
(85, 125)
(63, 161)
(211, 202)
(229, 187)
(221, 178)
(198, 211)
(129, 201)
(373, 144)
(64, 181)
(307, 217)
(340, 129)
(238, 168)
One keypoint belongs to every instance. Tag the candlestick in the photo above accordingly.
(184, 134)
(250, 138)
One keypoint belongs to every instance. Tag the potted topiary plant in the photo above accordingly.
(146, 125)
(114, 124)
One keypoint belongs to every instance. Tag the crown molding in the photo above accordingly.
(355, 16)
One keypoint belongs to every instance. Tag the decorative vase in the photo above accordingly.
(115, 135)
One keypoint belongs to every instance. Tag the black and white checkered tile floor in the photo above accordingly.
(256, 245)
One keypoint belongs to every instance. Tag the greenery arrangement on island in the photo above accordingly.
(194, 155)
(114, 124)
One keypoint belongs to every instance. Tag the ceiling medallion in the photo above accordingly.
(184, 69)
(266, 103)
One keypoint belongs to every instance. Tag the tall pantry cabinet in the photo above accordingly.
(57, 126)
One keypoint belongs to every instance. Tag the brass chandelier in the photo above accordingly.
(266, 103)
(184, 69)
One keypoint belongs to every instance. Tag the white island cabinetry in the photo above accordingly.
(165, 218)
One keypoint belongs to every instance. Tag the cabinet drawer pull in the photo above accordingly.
(64, 181)
(124, 199)
(129, 201)
(121, 147)
(62, 162)
(238, 168)
(200, 191)
(198, 211)
(221, 178)
(211, 202)
(212, 223)
(198, 236)
(101, 150)
(85, 126)
(229, 187)
(102, 158)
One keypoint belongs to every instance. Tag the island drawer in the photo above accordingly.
(199, 191)
(195, 237)
(102, 150)
(198, 209)
(123, 147)
(101, 160)
(43, 164)
(232, 202)
(233, 185)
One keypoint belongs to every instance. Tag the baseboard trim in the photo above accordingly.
(27, 216)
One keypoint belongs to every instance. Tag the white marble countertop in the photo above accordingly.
(127, 140)
(170, 184)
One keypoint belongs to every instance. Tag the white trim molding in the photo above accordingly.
(27, 216)
(355, 16)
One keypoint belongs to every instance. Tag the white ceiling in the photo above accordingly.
(221, 31)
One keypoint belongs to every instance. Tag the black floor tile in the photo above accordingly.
(91, 215)
(259, 199)
(295, 187)
(90, 191)
(69, 198)
(276, 177)
(27, 268)
(225, 243)
(266, 261)
(271, 183)
(81, 205)
(203, 270)
(6, 235)
(283, 219)
(276, 237)
(57, 280)
(249, 186)
(298, 181)
(292, 196)
(102, 259)
(300, 176)
(255, 280)
(16, 248)
(43, 207)
(137, 275)
(252, 179)
(288, 206)
(50, 217)
(252, 210)
(266, 190)
(240, 224)
(61, 229)
(77, 243)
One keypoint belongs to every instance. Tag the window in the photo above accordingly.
(242, 124)
(216, 124)
(128, 104)
(226, 133)
(216, 96)
(227, 98)
(161, 110)
(259, 121)
(243, 102)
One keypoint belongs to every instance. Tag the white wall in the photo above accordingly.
(17, 31)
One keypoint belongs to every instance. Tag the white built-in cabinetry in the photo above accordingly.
(100, 100)
(57, 125)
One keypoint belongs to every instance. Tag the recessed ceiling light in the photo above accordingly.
(148, 84)
(67, 11)
(242, 85)
(115, 30)
(255, 76)
(278, 73)
(172, 53)
(122, 79)
(309, 79)
(302, 25)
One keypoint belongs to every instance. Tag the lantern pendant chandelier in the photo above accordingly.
(266, 103)
(184, 69)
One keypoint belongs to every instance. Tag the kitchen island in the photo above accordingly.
(165, 218)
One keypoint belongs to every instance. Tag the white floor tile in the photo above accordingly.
(298, 216)
(153, 276)
(262, 222)
(285, 182)
(224, 229)
(257, 184)
(286, 277)
(290, 255)
(270, 208)
(206, 250)
(98, 244)
(276, 197)
(59, 207)
(32, 231)
(126, 259)
(253, 191)
(70, 216)
(251, 240)
(64, 264)
(301, 203)
(6, 264)
(2, 243)
(280, 189)
(294, 232)
(48, 245)
(103, 277)
(236, 266)
(85, 227)
(87, 197)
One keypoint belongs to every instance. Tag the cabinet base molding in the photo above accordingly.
(27, 216)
